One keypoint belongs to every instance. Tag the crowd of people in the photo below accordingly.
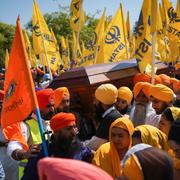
(135, 134)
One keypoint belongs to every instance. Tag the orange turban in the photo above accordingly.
(162, 93)
(59, 94)
(44, 97)
(61, 120)
(165, 79)
(142, 86)
(157, 80)
(141, 77)
(39, 71)
(176, 86)
(126, 94)
(177, 66)
(106, 94)
(2, 95)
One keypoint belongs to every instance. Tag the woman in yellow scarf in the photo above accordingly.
(150, 135)
(109, 155)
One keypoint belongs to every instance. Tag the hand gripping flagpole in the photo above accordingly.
(33, 91)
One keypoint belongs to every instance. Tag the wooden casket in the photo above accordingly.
(83, 81)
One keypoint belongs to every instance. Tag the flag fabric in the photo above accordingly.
(77, 14)
(178, 7)
(44, 43)
(143, 45)
(113, 43)
(65, 53)
(19, 101)
(6, 59)
(78, 52)
(172, 28)
(154, 16)
(93, 47)
(30, 51)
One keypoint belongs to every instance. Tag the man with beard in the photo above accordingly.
(124, 99)
(62, 100)
(162, 97)
(106, 114)
(64, 144)
(176, 88)
(142, 107)
(29, 130)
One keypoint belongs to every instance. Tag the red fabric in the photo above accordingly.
(44, 97)
(68, 169)
(140, 77)
(176, 87)
(61, 120)
(1, 95)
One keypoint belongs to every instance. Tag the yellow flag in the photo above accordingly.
(78, 52)
(94, 46)
(65, 53)
(57, 53)
(30, 51)
(98, 38)
(154, 15)
(6, 59)
(173, 29)
(143, 45)
(77, 14)
(113, 44)
(178, 7)
(43, 41)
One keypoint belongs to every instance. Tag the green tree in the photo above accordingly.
(6, 38)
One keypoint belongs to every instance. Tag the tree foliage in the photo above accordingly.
(6, 38)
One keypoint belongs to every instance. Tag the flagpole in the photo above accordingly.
(124, 31)
(33, 91)
(78, 33)
(45, 51)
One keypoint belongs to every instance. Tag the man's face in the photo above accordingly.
(64, 106)
(99, 110)
(48, 112)
(158, 105)
(141, 98)
(65, 136)
(121, 104)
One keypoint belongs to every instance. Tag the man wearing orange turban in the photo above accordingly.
(45, 99)
(142, 107)
(64, 144)
(141, 77)
(106, 114)
(165, 79)
(62, 100)
(161, 97)
(124, 99)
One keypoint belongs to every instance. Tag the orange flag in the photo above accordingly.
(19, 99)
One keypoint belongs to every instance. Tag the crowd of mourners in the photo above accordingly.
(134, 134)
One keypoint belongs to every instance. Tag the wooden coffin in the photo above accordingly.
(83, 81)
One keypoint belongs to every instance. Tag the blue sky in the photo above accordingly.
(9, 9)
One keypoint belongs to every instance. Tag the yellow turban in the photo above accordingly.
(142, 86)
(125, 93)
(162, 93)
(132, 168)
(175, 112)
(59, 94)
(106, 94)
